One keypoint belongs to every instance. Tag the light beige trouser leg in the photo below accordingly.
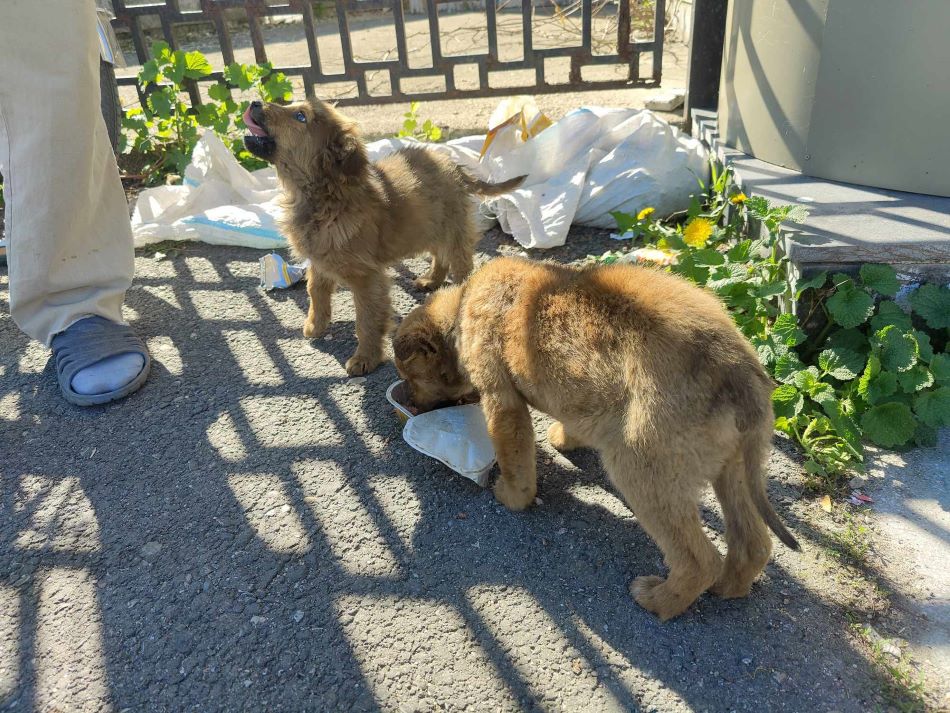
(67, 221)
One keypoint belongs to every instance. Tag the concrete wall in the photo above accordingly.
(849, 90)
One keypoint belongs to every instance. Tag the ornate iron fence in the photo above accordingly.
(627, 51)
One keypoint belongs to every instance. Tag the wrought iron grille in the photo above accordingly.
(628, 50)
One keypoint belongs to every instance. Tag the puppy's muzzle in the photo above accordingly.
(259, 141)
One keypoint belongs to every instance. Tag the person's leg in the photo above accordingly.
(67, 222)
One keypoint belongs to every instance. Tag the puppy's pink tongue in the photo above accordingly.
(251, 124)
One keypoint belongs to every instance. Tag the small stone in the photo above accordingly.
(150, 550)
(779, 677)
(358, 380)
(746, 660)
(668, 100)
(297, 616)
(285, 509)
(576, 667)
(857, 482)
(561, 531)
(328, 338)
(538, 501)
(257, 619)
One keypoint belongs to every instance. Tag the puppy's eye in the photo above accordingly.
(301, 117)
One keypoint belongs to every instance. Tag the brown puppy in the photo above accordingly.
(353, 218)
(636, 363)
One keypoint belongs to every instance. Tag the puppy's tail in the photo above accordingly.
(483, 188)
(755, 425)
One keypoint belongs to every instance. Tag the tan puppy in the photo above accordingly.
(638, 364)
(353, 218)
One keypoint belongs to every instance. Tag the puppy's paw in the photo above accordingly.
(313, 328)
(560, 439)
(359, 364)
(427, 283)
(654, 595)
(730, 587)
(514, 495)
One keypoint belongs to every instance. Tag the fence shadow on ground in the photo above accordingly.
(250, 530)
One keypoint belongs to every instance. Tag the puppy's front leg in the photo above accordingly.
(512, 434)
(373, 321)
(320, 288)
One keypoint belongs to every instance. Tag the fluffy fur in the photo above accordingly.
(353, 218)
(638, 364)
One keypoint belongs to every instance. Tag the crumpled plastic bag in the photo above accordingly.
(588, 164)
(457, 436)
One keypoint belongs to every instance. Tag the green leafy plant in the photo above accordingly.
(858, 366)
(411, 128)
(166, 129)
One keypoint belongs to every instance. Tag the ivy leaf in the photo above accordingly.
(923, 342)
(916, 379)
(160, 103)
(787, 366)
(850, 307)
(219, 92)
(933, 304)
(149, 72)
(888, 312)
(889, 425)
(806, 380)
(852, 339)
(787, 401)
(880, 278)
(813, 282)
(786, 330)
(875, 385)
(925, 436)
(238, 75)
(161, 50)
(708, 256)
(176, 72)
(740, 251)
(940, 368)
(196, 65)
(933, 407)
(841, 363)
(899, 350)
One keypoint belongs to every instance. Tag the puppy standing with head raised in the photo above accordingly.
(640, 365)
(354, 218)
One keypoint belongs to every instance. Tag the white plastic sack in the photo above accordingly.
(457, 436)
(592, 162)
(222, 203)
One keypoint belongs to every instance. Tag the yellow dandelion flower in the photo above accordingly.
(697, 232)
(738, 198)
(645, 213)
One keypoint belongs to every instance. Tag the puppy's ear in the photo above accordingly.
(348, 151)
(411, 345)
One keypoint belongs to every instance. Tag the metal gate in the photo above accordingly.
(625, 52)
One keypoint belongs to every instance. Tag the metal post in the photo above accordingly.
(705, 56)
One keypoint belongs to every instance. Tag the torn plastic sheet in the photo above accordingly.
(277, 273)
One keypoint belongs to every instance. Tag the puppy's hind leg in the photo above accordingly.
(747, 537)
(668, 510)
(320, 288)
(562, 439)
(462, 249)
(373, 321)
(434, 278)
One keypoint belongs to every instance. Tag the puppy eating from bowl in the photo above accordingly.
(640, 365)
(354, 218)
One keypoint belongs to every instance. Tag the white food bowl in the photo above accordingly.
(456, 435)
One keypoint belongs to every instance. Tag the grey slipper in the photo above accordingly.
(91, 340)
